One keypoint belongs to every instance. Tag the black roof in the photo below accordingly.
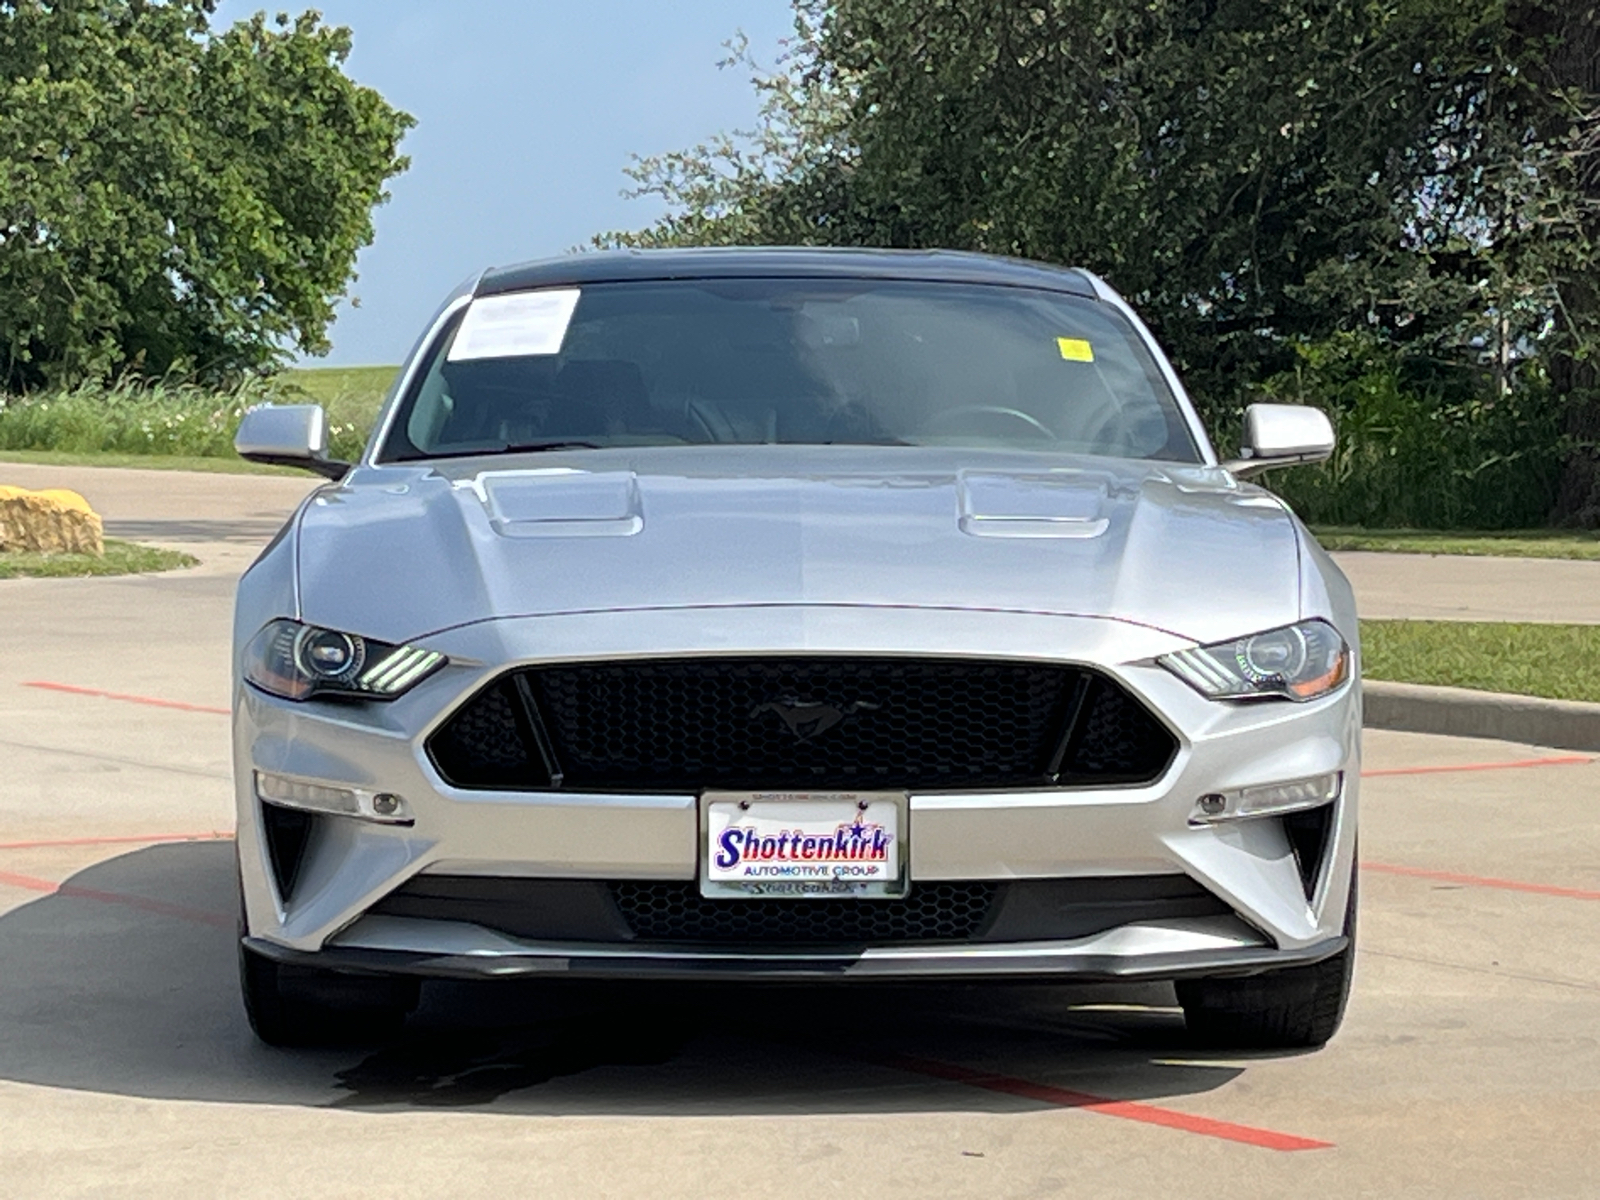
(741, 262)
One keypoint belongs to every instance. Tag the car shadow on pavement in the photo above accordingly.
(123, 982)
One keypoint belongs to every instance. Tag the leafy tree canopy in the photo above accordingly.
(1255, 175)
(174, 198)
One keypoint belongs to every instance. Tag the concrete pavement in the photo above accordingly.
(223, 520)
(1465, 712)
(1468, 1065)
(1455, 587)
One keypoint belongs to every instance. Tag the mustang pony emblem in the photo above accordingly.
(807, 719)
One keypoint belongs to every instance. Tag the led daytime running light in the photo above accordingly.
(303, 794)
(403, 667)
(297, 793)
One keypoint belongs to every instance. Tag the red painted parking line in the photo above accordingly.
(1564, 760)
(1485, 881)
(131, 840)
(29, 884)
(1128, 1110)
(153, 701)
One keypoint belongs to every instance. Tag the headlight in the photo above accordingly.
(298, 661)
(1298, 662)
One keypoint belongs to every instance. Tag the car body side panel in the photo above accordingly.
(1324, 590)
(267, 588)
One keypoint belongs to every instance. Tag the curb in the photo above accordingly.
(1462, 712)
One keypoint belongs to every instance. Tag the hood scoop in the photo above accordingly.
(1058, 504)
(560, 503)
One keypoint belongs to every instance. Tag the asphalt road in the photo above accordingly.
(1469, 1064)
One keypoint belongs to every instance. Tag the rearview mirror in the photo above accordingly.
(1282, 435)
(288, 435)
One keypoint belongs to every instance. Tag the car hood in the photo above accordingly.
(398, 552)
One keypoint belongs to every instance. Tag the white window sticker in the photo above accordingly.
(523, 323)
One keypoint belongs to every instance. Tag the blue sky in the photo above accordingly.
(527, 112)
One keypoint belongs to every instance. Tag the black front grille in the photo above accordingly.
(486, 743)
(677, 912)
(824, 723)
(1118, 738)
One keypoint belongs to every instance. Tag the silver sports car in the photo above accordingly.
(794, 615)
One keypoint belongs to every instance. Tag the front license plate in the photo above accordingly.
(803, 844)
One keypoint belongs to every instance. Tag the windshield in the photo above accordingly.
(789, 361)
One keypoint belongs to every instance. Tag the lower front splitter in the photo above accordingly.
(1027, 961)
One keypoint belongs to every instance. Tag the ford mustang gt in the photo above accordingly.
(794, 615)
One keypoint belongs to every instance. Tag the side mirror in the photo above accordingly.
(1282, 435)
(288, 435)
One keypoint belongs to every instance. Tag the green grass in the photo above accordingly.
(1519, 543)
(121, 558)
(1561, 662)
(130, 418)
(352, 395)
(132, 422)
(231, 465)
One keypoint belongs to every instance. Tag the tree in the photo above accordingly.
(174, 198)
(1256, 175)
(1563, 45)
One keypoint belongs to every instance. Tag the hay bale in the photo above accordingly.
(55, 522)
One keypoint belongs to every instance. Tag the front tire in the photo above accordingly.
(302, 1006)
(1295, 1008)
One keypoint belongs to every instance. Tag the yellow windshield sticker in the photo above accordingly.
(1075, 349)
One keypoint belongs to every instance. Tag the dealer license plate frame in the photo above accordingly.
(785, 808)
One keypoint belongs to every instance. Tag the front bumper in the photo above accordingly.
(988, 835)
(1130, 952)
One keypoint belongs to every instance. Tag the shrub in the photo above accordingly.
(1420, 446)
(136, 417)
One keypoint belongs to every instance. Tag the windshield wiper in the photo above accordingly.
(868, 441)
(536, 447)
(508, 448)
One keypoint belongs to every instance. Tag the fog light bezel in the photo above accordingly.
(329, 799)
(1275, 799)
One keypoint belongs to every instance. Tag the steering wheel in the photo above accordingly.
(949, 416)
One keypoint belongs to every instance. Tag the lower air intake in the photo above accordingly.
(677, 912)
(673, 913)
